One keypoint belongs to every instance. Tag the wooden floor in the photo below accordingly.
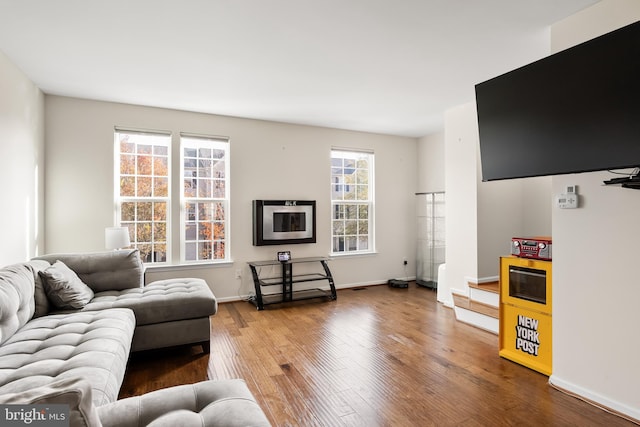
(375, 357)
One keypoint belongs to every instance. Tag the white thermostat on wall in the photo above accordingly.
(568, 199)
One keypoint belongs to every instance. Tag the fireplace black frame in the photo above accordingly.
(263, 237)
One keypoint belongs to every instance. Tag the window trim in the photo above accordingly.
(119, 200)
(370, 202)
(226, 200)
(175, 209)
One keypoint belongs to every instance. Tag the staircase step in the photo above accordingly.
(477, 320)
(488, 286)
(475, 313)
(476, 306)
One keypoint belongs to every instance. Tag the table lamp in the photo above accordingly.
(116, 237)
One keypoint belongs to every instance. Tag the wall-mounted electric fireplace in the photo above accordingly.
(282, 222)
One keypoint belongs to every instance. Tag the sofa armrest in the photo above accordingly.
(104, 271)
(208, 403)
(75, 393)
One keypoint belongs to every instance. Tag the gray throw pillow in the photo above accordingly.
(64, 288)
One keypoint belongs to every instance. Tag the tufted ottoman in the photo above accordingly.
(92, 345)
(226, 403)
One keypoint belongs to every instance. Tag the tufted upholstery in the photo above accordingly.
(74, 392)
(79, 357)
(226, 403)
(103, 271)
(168, 312)
(93, 345)
(161, 301)
(17, 304)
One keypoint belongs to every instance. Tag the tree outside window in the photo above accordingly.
(143, 191)
(205, 198)
(144, 201)
(351, 202)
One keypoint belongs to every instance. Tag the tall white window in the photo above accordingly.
(205, 198)
(351, 202)
(144, 201)
(143, 197)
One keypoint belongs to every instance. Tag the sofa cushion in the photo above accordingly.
(17, 304)
(161, 301)
(92, 345)
(75, 393)
(208, 403)
(42, 302)
(64, 288)
(103, 271)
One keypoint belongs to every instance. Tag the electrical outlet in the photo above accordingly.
(238, 274)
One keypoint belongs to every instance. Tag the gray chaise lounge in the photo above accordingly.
(168, 312)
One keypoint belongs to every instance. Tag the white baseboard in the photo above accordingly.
(342, 286)
(603, 402)
(488, 279)
(480, 280)
(232, 299)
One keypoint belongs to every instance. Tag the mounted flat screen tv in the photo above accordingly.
(575, 111)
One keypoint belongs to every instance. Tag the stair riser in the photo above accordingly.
(489, 298)
(479, 320)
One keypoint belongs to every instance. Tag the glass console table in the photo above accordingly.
(287, 280)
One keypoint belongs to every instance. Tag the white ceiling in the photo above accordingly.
(384, 66)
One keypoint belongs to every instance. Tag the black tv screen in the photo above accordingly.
(575, 111)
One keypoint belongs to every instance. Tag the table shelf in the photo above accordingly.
(287, 280)
(299, 278)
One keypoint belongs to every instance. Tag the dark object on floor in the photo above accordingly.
(431, 284)
(397, 283)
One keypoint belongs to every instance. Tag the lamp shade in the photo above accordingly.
(116, 237)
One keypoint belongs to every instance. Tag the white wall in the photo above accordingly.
(461, 142)
(537, 205)
(21, 165)
(268, 161)
(500, 217)
(599, 19)
(506, 209)
(431, 162)
(596, 288)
